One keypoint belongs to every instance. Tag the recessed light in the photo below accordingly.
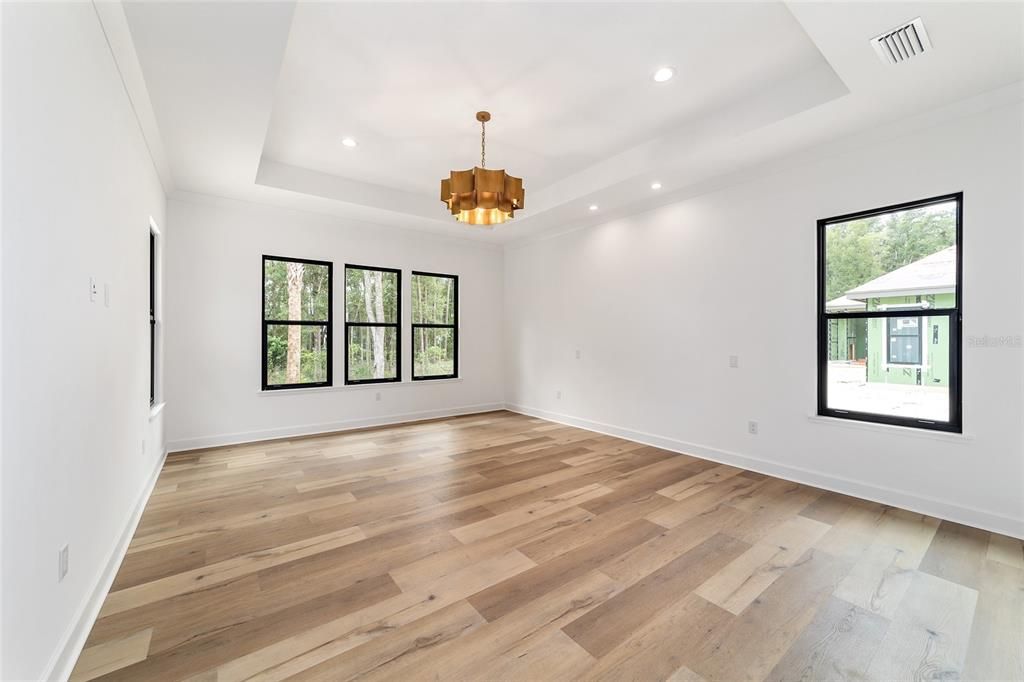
(663, 74)
(593, 207)
(349, 142)
(655, 185)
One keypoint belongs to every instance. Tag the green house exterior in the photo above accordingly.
(911, 349)
(847, 338)
(925, 357)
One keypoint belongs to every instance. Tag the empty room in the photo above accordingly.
(511, 341)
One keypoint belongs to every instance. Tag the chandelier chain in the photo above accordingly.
(483, 144)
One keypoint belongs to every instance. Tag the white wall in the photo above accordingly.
(79, 448)
(214, 266)
(657, 302)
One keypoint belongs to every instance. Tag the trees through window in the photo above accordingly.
(297, 327)
(889, 314)
(435, 332)
(373, 336)
(296, 323)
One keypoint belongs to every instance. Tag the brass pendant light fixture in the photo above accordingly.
(481, 196)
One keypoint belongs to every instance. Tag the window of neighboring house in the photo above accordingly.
(889, 314)
(152, 318)
(904, 340)
(435, 330)
(373, 314)
(296, 323)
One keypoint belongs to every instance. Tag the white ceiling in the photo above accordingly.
(568, 87)
(252, 99)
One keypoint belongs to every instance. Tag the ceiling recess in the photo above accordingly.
(902, 43)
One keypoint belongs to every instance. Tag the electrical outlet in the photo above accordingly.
(734, 361)
(579, 354)
(62, 563)
(92, 289)
(143, 446)
(378, 396)
(752, 428)
(558, 395)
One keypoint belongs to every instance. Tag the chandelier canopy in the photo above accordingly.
(481, 196)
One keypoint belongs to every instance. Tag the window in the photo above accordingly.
(889, 314)
(904, 337)
(152, 318)
(373, 313)
(435, 330)
(296, 323)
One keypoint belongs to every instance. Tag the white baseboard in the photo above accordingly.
(314, 429)
(66, 655)
(970, 516)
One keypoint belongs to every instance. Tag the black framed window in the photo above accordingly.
(890, 287)
(297, 302)
(904, 340)
(435, 326)
(152, 318)
(373, 332)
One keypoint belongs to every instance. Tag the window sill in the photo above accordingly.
(891, 429)
(155, 410)
(358, 387)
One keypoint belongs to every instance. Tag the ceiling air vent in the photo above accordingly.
(902, 43)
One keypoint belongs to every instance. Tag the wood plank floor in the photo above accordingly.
(501, 547)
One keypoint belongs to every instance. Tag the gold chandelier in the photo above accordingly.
(481, 196)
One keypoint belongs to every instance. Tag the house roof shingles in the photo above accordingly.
(934, 274)
(844, 303)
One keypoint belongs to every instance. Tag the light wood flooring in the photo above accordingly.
(501, 547)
